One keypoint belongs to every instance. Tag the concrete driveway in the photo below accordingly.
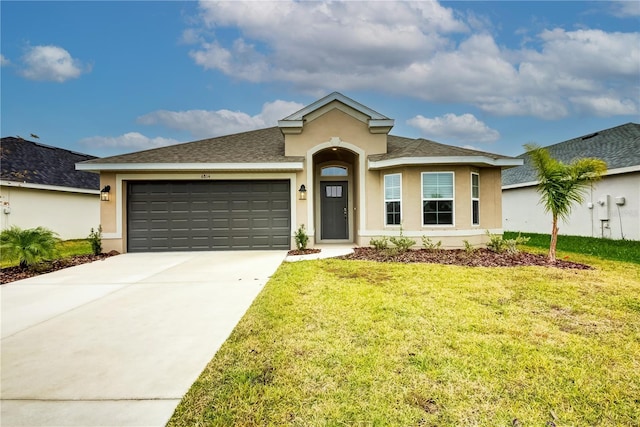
(119, 342)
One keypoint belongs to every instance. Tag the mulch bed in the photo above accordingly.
(303, 252)
(477, 258)
(11, 274)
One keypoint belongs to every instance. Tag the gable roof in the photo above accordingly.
(618, 146)
(375, 121)
(34, 163)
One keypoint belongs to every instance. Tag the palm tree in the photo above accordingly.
(561, 185)
(30, 246)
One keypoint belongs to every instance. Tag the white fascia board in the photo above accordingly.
(617, 171)
(381, 123)
(335, 96)
(178, 167)
(48, 187)
(448, 160)
(290, 123)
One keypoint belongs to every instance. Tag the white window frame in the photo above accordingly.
(399, 200)
(475, 199)
(425, 199)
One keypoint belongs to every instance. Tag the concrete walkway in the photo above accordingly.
(119, 342)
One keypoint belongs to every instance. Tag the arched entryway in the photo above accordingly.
(335, 172)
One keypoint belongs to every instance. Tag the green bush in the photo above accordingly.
(428, 244)
(302, 238)
(380, 244)
(468, 247)
(29, 247)
(401, 242)
(498, 244)
(95, 238)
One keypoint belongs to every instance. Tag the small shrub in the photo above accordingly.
(302, 238)
(499, 245)
(428, 244)
(380, 244)
(402, 243)
(29, 246)
(468, 247)
(95, 238)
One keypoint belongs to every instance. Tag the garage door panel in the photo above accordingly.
(208, 215)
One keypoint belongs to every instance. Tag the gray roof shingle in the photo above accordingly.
(35, 163)
(267, 146)
(618, 146)
(257, 146)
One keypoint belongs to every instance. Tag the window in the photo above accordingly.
(437, 198)
(475, 199)
(333, 191)
(334, 171)
(392, 199)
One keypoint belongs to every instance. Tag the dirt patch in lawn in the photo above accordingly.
(477, 258)
(11, 274)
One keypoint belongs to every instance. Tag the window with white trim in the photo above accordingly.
(392, 199)
(475, 198)
(437, 198)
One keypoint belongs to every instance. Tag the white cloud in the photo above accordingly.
(419, 49)
(625, 8)
(4, 61)
(451, 127)
(50, 63)
(206, 124)
(131, 140)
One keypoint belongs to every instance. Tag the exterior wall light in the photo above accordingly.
(104, 193)
(303, 192)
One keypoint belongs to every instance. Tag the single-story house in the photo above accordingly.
(332, 167)
(612, 205)
(40, 186)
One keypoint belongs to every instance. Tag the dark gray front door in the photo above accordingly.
(208, 215)
(334, 216)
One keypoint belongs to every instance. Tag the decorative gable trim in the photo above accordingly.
(377, 122)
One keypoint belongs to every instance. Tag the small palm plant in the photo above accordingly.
(29, 246)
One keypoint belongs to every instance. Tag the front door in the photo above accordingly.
(334, 214)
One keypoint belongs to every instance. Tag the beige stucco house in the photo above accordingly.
(332, 167)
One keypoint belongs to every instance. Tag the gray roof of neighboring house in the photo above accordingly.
(35, 163)
(267, 146)
(618, 146)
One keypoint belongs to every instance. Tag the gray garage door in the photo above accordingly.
(208, 215)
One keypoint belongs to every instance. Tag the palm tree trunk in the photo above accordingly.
(554, 240)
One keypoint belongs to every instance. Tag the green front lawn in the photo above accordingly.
(344, 343)
(65, 248)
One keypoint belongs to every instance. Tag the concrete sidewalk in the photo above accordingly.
(119, 342)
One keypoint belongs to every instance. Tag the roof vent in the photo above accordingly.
(590, 136)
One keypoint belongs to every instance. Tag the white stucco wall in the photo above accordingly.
(70, 214)
(521, 210)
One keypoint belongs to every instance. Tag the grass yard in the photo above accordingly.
(358, 343)
(66, 249)
(617, 250)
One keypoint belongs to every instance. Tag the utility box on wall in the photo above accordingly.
(603, 208)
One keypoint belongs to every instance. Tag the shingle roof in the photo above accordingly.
(257, 146)
(398, 146)
(618, 146)
(267, 146)
(35, 163)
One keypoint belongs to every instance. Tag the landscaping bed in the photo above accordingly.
(476, 258)
(11, 274)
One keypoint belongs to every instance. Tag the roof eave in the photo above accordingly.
(445, 160)
(180, 167)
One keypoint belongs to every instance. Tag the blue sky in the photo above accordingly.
(107, 78)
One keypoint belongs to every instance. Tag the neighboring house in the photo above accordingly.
(332, 167)
(40, 186)
(612, 206)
